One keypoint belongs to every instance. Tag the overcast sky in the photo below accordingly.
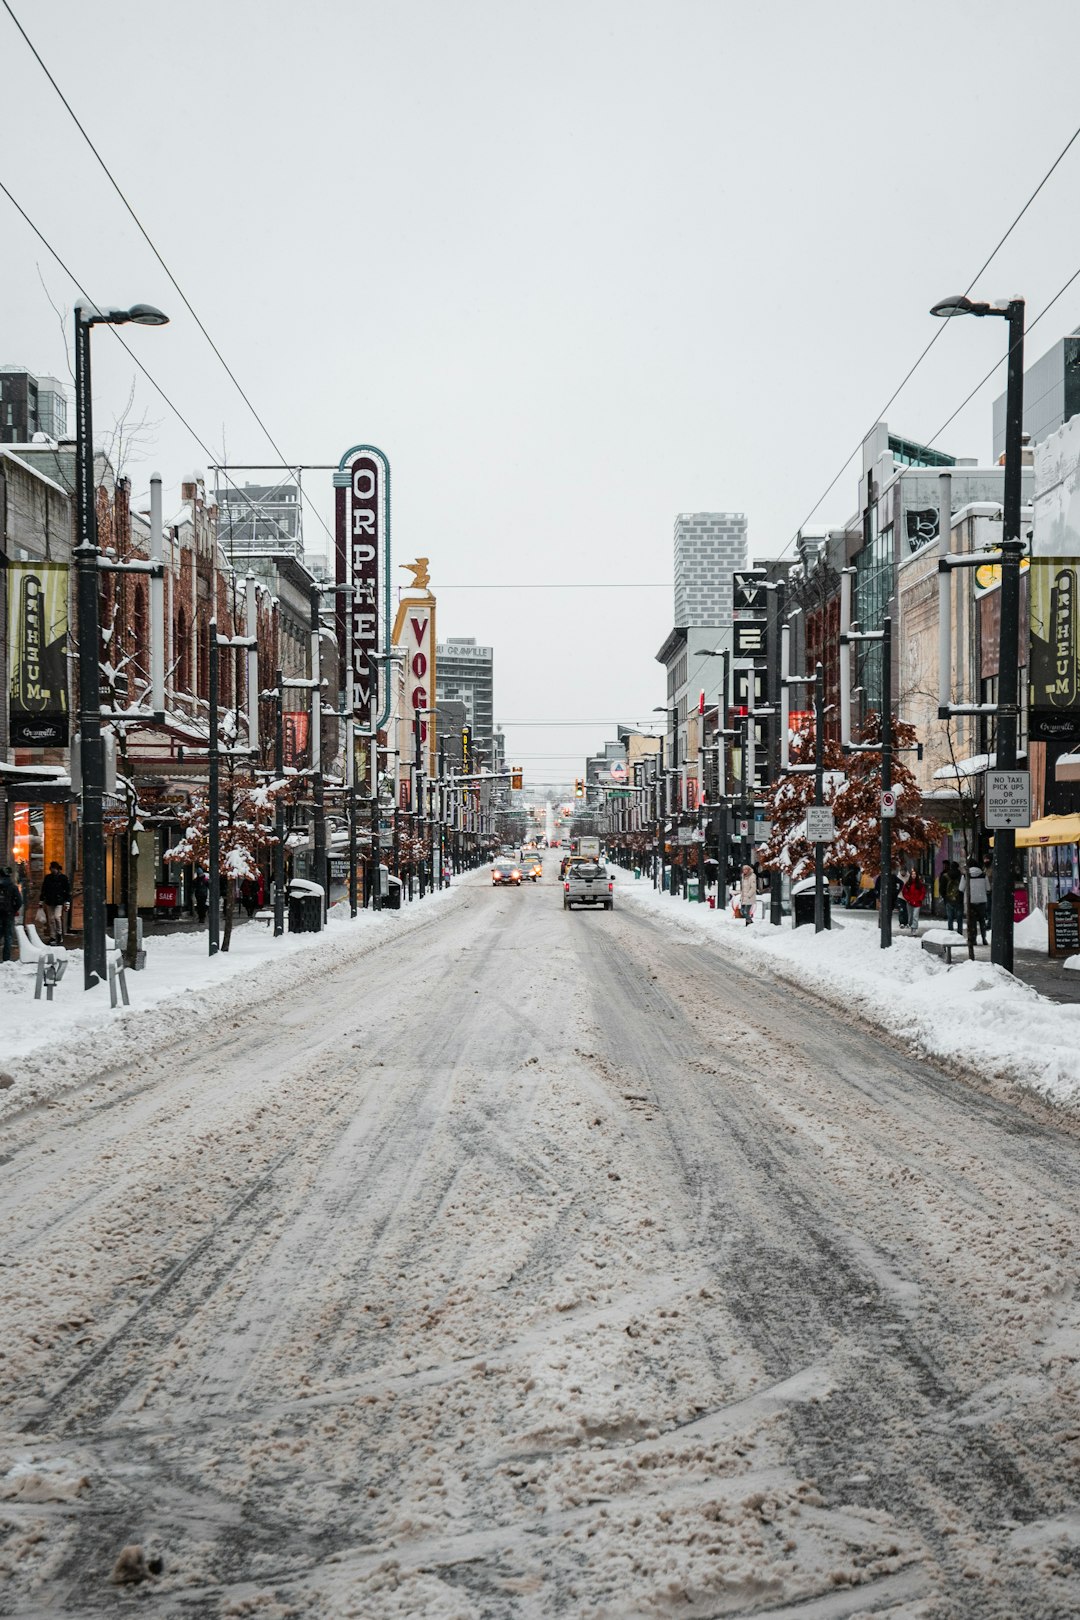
(576, 268)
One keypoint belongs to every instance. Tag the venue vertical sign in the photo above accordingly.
(358, 514)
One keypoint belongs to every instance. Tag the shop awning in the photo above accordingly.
(1049, 830)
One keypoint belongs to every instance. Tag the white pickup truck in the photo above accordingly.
(587, 883)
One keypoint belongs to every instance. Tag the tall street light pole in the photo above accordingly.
(1012, 546)
(88, 611)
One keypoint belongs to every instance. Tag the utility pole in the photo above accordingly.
(421, 824)
(885, 911)
(279, 805)
(213, 808)
(819, 795)
(776, 614)
(317, 792)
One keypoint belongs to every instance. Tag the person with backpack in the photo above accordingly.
(954, 900)
(914, 893)
(975, 892)
(10, 906)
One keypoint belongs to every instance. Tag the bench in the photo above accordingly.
(49, 961)
(942, 942)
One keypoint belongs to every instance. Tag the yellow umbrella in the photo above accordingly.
(1049, 830)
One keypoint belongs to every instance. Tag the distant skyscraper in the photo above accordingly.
(465, 673)
(709, 546)
(30, 405)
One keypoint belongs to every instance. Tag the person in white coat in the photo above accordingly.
(747, 894)
(976, 895)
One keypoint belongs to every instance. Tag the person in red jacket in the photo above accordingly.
(913, 894)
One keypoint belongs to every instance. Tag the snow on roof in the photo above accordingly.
(51, 773)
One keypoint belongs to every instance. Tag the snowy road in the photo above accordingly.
(546, 1265)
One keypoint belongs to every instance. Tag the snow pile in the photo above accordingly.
(972, 1014)
(1033, 932)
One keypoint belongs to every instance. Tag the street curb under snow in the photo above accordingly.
(49, 1047)
(974, 1018)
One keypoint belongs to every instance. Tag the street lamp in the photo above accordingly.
(1001, 899)
(91, 752)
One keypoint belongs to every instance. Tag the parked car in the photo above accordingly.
(587, 883)
(503, 872)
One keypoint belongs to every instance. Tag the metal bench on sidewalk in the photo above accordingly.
(942, 942)
(49, 961)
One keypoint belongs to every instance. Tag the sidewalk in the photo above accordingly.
(1048, 975)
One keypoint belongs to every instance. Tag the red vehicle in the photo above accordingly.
(503, 872)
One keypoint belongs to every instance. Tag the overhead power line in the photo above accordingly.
(144, 233)
(180, 417)
(830, 486)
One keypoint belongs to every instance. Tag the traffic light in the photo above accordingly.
(579, 788)
(517, 778)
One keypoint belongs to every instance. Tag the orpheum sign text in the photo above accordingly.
(359, 539)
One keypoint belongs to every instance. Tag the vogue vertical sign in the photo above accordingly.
(37, 639)
(359, 531)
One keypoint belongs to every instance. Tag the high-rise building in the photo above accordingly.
(464, 673)
(709, 546)
(1051, 393)
(30, 405)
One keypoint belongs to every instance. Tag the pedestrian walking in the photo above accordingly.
(973, 885)
(22, 878)
(55, 897)
(850, 885)
(10, 906)
(914, 893)
(200, 889)
(954, 900)
(249, 896)
(747, 895)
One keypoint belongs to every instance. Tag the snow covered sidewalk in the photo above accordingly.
(45, 1045)
(971, 1014)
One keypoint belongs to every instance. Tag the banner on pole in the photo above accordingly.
(1055, 648)
(37, 652)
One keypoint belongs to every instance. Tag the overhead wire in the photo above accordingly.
(936, 335)
(181, 418)
(153, 248)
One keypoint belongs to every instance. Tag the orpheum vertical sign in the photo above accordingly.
(359, 537)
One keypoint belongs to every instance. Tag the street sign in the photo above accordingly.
(888, 804)
(685, 835)
(1007, 799)
(750, 638)
(820, 827)
(748, 592)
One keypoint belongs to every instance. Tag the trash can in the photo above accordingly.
(692, 890)
(802, 909)
(305, 907)
(392, 896)
(637, 871)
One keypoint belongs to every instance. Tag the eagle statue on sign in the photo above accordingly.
(419, 570)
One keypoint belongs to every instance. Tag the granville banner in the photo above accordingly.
(1055, 648)
(37, 639)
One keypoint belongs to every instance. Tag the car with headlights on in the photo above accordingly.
(506, 872)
